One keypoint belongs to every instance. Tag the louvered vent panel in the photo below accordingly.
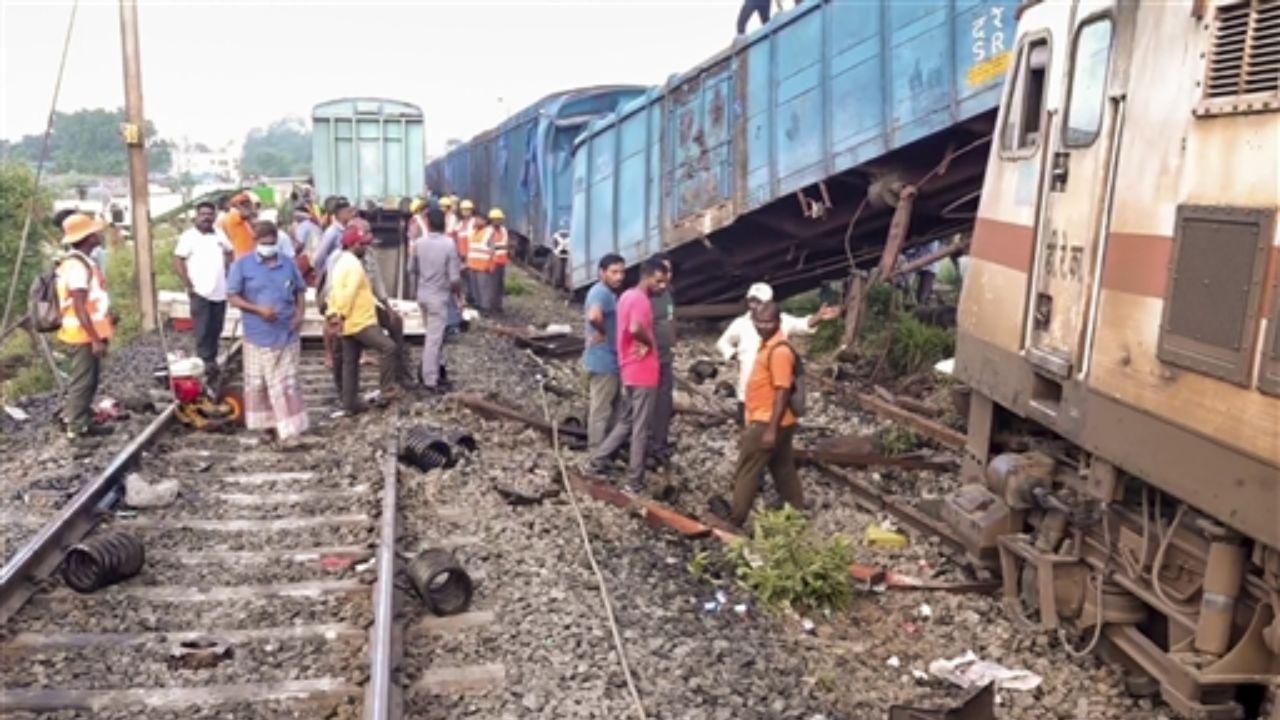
(1246, 50)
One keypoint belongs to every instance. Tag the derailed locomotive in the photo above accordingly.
(1120, 329)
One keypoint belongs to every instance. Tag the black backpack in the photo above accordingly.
(797, 401)
(42, 298)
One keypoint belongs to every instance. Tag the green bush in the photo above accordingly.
(785, 566)
(22, 371)
(514, 285)
(826, 338)
(122, 286)
(916, 345)
(17, 183)
(802, 304)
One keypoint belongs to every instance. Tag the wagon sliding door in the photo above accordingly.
(700, 188)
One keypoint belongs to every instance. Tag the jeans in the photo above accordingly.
(634, 425)
(753, 7)
(435, 315)
(604, 406)
(82, 385)
(663, 410)
(753, 459)
(353, 346)
(208, 316)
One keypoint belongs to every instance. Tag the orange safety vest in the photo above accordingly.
(499, 243)
(71, 332)
(462, 232)
(479, 252)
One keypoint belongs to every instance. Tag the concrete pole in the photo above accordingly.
(134, 131)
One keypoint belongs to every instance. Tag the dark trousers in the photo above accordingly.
(753, 459)
(634, 426)
(394, 325)
(208, 316)
(753, 7)
(82, 385)
(353, 346)
(663, 410)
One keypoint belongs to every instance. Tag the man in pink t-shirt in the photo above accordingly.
(638, 367)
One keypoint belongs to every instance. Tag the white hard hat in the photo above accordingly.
(760, 291)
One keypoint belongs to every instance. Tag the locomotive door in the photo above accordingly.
(1076, 193)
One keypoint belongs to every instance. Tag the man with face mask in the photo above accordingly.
(270, 293)
(201, 259)
(86, 325)
(351, 312)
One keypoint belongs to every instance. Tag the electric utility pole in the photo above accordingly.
(135, 138)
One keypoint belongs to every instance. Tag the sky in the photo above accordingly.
(214, 69)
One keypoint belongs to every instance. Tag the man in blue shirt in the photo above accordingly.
(600, 357)
(270, 293)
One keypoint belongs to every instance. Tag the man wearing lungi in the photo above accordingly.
(271, 295)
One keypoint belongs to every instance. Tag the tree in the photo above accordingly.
(280, 150)
(17, 183)
(89, 142)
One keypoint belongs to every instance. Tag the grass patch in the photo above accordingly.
(826, 338)
(803, 304)
(22, 371)
(785, 566)
(916, 345)
(514, 285)
(899, 440)
(949, 274)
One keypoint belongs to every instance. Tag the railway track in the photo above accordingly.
(267, 589)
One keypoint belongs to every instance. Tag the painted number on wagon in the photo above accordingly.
(989, 56)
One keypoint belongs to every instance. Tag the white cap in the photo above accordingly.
(760, 291)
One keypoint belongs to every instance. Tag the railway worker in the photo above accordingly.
(498, 240)
(340, 213)
(307, 233)
(446, 203)
(238, 224)
(741, 340)
(664, 332)
(479, 264)
(86, 323)
(600, 355)
(435, 271)
(270, 293)
(350, 311)
(639, 372)
(771, 425)
(201, 259)
(388, 319)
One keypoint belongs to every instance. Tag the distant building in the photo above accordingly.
(205, 163)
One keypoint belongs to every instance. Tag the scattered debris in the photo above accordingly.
(440, 581)
(425, 449)
(337, 563)
(703, 370)
(967, 671)
(102, 560)
(139, 493)
(978, 706)
(199, 653)
(883, 537)
(17, 413)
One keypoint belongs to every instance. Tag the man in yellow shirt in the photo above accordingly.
(351, 312)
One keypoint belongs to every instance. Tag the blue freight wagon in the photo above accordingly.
(523, 165)
(781, 158)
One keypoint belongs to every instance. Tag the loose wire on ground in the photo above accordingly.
(586, 544)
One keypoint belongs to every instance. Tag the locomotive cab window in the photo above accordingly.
(1090, 60)
(1024, 119)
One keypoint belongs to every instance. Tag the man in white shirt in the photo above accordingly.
(201, 259)
(740, 339)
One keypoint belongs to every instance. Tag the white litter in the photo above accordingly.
(920, 675)
(946, 367)
(924, 611)
(893, 662)
(808, 625)
(141, 494)
(968, 671)
(558, 329)
(17, 413)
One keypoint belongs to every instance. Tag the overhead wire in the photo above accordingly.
(44, 154)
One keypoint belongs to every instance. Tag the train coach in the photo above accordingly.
(1119, 329)
(783, 157)
(523, 165)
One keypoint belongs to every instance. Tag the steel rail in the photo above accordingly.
(43, 553)
(383, 699)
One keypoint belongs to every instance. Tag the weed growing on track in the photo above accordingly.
(515, 286)
(785, 566)
(899, 440)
